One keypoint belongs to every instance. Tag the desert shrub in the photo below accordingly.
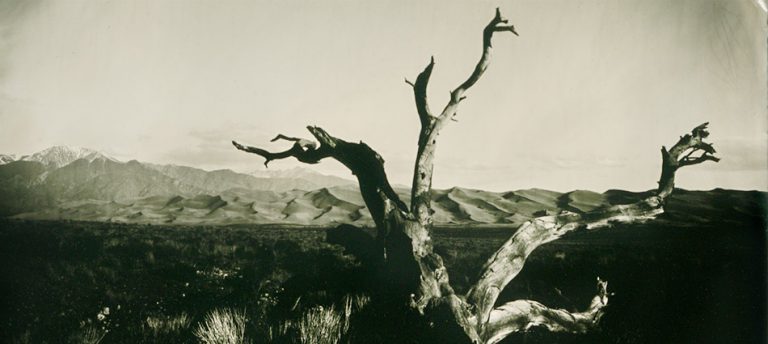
(161, 325)
(89, 334)
(222, 326)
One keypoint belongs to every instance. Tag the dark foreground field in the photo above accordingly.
(705, 283)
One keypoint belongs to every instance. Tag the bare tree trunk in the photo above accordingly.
(404, 233)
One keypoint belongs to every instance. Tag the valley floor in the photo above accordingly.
(700, 284)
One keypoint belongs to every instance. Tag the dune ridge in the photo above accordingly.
(332, 206)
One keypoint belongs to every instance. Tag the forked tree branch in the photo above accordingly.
(420, 94)
(364, 162)
(422, 177)
(508, 261)
(521, 315)
(304, 153)
(688, 145)
(304, 143)
(497, 24)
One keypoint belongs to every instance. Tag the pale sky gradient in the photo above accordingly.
(583, 99)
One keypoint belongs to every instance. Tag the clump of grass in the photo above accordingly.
(165, 324)
(90, 334)
(280, 332)
(321, 325)
(327, 325)
(222, 326)
(354, 303)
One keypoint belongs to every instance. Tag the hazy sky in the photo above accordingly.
(584, 98)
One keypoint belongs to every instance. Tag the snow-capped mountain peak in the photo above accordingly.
(7, 158)
(58, 156)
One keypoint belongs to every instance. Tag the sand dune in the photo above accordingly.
(338, 205)
(580, 201)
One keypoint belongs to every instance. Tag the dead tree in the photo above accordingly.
(403, 231)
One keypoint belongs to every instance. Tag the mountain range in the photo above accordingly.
(64, 183)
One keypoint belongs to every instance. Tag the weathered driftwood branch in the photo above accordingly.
(506, 263)
(364, 162)
(521, 315)
(304, 143)
(688, 145)
(430, 126)
(420, 94)
(305, 155)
